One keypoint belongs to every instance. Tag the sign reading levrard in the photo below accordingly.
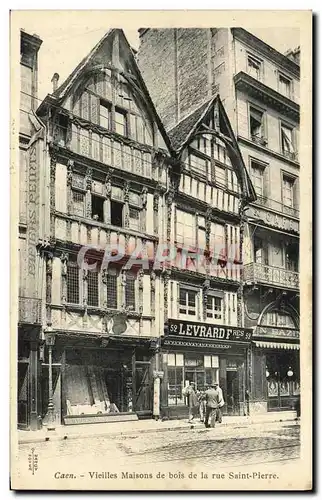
(209, 331)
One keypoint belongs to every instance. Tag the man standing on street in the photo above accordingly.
(192, 401)
(214, 403)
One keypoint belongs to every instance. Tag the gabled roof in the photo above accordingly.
(183, 133)
(183, 130)
(62, 91)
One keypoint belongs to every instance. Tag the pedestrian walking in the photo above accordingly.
(193, 402)
(214, 403)
(202, 404)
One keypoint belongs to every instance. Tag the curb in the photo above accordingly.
(65, 437)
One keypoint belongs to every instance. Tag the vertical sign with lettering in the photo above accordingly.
(32, 219)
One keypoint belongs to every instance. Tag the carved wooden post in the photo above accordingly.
(123, 286)
(70, 166)
(53, 161)
(85, 290)
(156, 198)
(108, 192)
(166, 277)
(126, 215)
(152, 279)
(205, 290)
(64, 298)
(49, 274)
(88, 195)
(144, 197)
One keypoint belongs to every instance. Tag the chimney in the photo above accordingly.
(54, 81)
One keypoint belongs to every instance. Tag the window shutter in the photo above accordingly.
(296, 194)
(266, 192)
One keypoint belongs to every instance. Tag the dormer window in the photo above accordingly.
(120, 122)
(254, 67)
(285, 86)
(105, 114)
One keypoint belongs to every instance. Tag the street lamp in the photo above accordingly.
(50, 342)
(290, 372)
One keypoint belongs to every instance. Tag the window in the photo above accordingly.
(214, 307)
(97, 208)
(120, 122)
(78, 203)
(256, 125)
(198, 165)
(72, 283)
(62, 130)
(278, 318)
(257, 173)
(186, 228)
(218, 241)
(92, 288)
(220, 175)
(188, 302)
(260, 254)
(287, 140)
(112, 289)
(116, 213)
(134, 217)
(130, 291)
(175, 379)
(288, 191)
(292, 257)
(105, 113)
(284, 85)
(254, 67)
(201, 233)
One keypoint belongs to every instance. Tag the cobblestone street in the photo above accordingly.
(239, 448)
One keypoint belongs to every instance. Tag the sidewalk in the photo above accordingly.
(117, 429)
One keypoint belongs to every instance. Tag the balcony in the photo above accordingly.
(291, 155)
(29, 311)
(268, 96)
(269, 275)
(277, 206)
(261, 140)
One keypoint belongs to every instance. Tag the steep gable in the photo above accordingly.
(211, 120)
(114, 55)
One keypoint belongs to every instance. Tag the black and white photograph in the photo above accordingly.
(161, 317)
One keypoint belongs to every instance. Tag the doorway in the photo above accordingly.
(232, 378)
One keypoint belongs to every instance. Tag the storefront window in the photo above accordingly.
(186, 368)
(283, 379)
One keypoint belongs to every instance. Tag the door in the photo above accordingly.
(23, 395)
(143, 388)
(233, 392)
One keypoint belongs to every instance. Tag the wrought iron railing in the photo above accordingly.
(270, 275)
(277, 206)
(29, 310)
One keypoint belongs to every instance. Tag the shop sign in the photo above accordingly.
(274, 219)
(192, 330)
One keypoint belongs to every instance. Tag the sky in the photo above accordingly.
(68, 38)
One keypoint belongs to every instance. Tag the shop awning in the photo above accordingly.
(276, 345)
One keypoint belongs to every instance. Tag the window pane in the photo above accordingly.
(92, 288)
(130, 291)
(120, 123)
(104, 116)
(134, 217)
(198, 165)
(171, 359)
(73, 284)
(179, 359)
(78, 203)
(112, 291)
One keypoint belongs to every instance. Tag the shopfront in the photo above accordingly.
(277, 369)
(204, 354)
(109, 381)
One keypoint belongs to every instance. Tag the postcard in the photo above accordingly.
(161, 316)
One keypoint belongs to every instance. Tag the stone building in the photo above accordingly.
(259, 88)
(29, 303)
